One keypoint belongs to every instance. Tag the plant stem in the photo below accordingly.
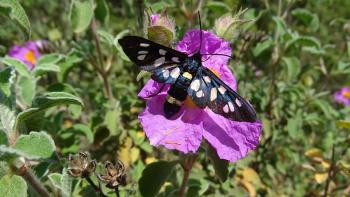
(330, 173)
(117, 192)
(97, 189)
(187, 167)
(33, 181)
(101, 70)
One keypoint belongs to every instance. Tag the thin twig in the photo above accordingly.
(330, 173)
(187, 167)
(101, 69)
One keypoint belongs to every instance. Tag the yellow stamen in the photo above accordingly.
(170, 142)
(30, 56)
(346, 94)
(166, 133)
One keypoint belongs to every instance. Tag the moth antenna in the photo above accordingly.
(220, 54)
(200, 32)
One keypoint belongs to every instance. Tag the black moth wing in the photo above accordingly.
(207, 90)
(150, 56)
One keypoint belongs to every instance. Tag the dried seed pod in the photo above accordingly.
(80, 165)
(115, 175)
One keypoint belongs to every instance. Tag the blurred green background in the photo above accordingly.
(288, 60)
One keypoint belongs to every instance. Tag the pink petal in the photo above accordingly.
(151, 88)
(182, 133)
(232, 140)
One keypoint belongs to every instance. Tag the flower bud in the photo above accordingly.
(161, 29)
(227, 25)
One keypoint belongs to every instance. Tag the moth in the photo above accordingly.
(187, 76)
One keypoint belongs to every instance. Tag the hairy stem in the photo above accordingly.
(33, 181)
(187, 167)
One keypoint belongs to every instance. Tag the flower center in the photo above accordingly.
(346, 94)
(30, 57)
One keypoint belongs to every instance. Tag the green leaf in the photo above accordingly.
(55, 179)
(66, 184)
(20, 67)
(17, 13)
(262, 47)
(44, 102)
(102, 11)
(47, 63)
(7, 99)
(36, 145)
(293, 67)
(52, 99)
(7, 118)
(66, 65)
(83, 129)
(7, 77)
(13, 186)
(27, 89)
(220, 166)
(303, 41)
(81, 15)
(218, 7)
(154, 176)
(4, 169)
(307, 18)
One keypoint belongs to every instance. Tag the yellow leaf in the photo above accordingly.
(249, 187)
(123, 155)
(344, 167)
(326, 164)
(320, 177)
(313, 152)
(135, 153)
(150, 160)
(249, 175)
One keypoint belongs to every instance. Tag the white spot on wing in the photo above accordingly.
(213, 94)
(207, 79)
(238, 102)
(165, 73)
(159, 61)
(141, 57)
(162, 52)
(225, 108)
(222, 90)
(195, 85)
(144, 45)
(175, 73)
(175, 59)
(200, 93)
(143, 52)
(230, 105)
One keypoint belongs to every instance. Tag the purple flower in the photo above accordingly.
(232, 140)
(27, 53)
(343, 96)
